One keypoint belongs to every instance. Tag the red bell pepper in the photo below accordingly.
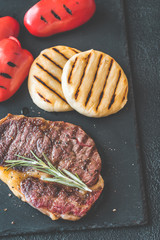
(49, 17)
(8, 27)
(15, 63)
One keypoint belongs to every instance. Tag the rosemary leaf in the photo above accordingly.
(71, 175)
(70, 184)
(61, 176)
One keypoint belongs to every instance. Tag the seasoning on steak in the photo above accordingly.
(66, 146)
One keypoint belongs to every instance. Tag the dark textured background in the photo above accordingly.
(143, 30)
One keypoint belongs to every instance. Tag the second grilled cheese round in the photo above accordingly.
(94, 84)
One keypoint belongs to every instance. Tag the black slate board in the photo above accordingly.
(115, 136)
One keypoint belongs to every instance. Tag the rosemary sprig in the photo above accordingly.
(60, 176)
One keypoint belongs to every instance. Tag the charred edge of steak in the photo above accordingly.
(58, 199)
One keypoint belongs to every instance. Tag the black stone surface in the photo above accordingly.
(115, 136)
(143, 34)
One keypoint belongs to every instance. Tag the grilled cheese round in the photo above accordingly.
(94, 84)
(44, 82)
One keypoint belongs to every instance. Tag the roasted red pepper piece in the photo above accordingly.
(8, 27)
(15, 63)
(49, 17)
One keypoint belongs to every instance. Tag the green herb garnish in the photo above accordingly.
(62, 176)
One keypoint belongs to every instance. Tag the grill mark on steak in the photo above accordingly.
(3, 146)
(36, 135)
(11, 143)
(22, 142)
(92, 152)
(44, 145)
(87, 161)
(69, 144)
(80, 145)
(89, 176)
(56, 142)
(65, 146)
(67, 149)
(85, 151)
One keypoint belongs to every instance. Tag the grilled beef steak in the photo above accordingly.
(68, 147)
